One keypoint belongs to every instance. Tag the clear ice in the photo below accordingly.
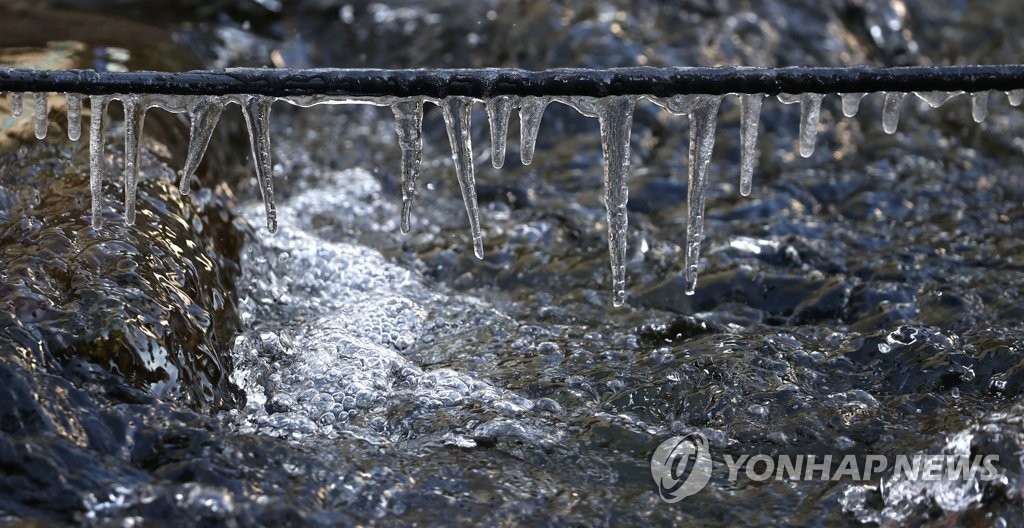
(203, 116)
(703, 119)
(498, 111)
(97, 111)
(74, 116)
(16, 103)
(937, 98)
(615, 115)
(750, 115)
(810, 109)
(531, 112)
(891, 111)
(40, 100)
(134, 118)
(457, 119)
(851, 103)
(979, 106)
(1016, 97)
(256, 109)
(409, 127)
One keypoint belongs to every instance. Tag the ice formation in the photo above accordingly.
(615, 115)
(891, 111)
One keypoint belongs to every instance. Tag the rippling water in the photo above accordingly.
(866, 300)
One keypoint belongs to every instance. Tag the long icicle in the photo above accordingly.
(256, 109)
(98, 110)
(750, 116)
(615, 115)
(530, 114)
(203, 115)
(409, 127)
(498, 111)
(134, 119)
(74, 116)
(40, 99)
(457, 120)
(703, 120)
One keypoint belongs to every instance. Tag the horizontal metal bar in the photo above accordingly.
(485, 83)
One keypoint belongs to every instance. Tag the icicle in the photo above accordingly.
(203, 115)
(937, 98)
(1016, 97)
(409, 127)
(891, 111)
(750, 115)
(703, 120)
(456, 118)
(810, 109)
(851, 103)
(98, 110)
(979, 106)
(256, 109)
(16, 104)
(615, 115)
(134, 120)
(74, 116)
(41, 105)
(530, 113)
(498, 111)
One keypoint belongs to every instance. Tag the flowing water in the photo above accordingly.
(192, 367)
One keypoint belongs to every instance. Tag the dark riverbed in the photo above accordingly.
(194, 369)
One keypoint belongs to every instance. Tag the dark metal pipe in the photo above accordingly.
(485, 83)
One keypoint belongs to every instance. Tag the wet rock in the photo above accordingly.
(152, 302)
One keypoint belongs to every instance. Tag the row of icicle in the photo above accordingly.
(614, 114)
